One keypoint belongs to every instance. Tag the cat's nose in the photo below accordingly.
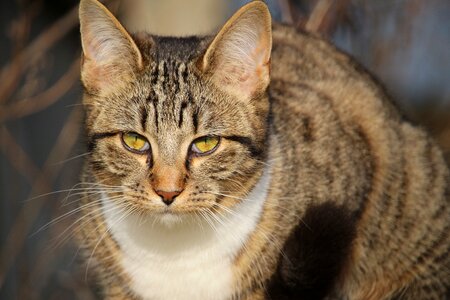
(168, 197)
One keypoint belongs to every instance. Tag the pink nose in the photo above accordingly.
(168, 197)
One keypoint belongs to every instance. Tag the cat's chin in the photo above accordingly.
(169, 220)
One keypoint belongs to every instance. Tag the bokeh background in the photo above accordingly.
(405, 43)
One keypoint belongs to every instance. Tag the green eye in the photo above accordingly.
(135, 142)
(205, 145)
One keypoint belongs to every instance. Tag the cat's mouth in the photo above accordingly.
(181, 213)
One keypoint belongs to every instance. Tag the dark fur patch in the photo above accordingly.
(93, 138)
(195, 120)
(179, 48)
(155, 108)
(97, 165)
(180, 119)
(144, 116)
(314, 254)
(247, 142)
(307, 134)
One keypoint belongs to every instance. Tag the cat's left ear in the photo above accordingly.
(110, 56)
(238, 59)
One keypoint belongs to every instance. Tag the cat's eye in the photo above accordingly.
(205, 145)
(135, 142)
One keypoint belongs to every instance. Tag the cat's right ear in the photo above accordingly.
(238, 59)
(110, 56)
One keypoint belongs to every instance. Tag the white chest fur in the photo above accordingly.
(189, 260)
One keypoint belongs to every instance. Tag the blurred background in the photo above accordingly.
(405, 43)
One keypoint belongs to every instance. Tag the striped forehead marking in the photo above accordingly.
(169, 95)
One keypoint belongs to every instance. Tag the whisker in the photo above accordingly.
(204, 213)
(65, 215)
(67, 190)
(221, 194)
(127, 213)
(72, 158)
(90, 215)
(87, 193)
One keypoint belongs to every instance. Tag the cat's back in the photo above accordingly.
(338, 126)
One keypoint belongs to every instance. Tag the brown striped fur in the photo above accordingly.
(330, 134)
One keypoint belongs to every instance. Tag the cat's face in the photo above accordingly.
(179, 124)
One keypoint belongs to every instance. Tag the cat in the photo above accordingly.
(259, 163)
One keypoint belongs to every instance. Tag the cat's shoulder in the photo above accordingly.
(306, 59)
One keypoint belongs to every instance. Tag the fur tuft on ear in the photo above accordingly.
(110, 56)
(238, 59)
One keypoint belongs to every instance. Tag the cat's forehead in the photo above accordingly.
(181, 49)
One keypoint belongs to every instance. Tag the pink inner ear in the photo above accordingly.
(93, 49)
(103, 76)
(94, 73)
(100, 48)
(238, 58)
(247, 75)
(239, 80)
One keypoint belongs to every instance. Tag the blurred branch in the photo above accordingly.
(16, 156)
(31, 210)
(12, 75)
(318, 15)
(11, 72)
(43, 100)
(26, 167)
(291, 13)
(287, 15)
(20, 30)
(325, 15)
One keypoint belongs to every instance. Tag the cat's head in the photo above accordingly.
(179, 124)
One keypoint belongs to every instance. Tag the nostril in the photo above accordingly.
(168, 197)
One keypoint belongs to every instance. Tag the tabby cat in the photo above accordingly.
(259, 163)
